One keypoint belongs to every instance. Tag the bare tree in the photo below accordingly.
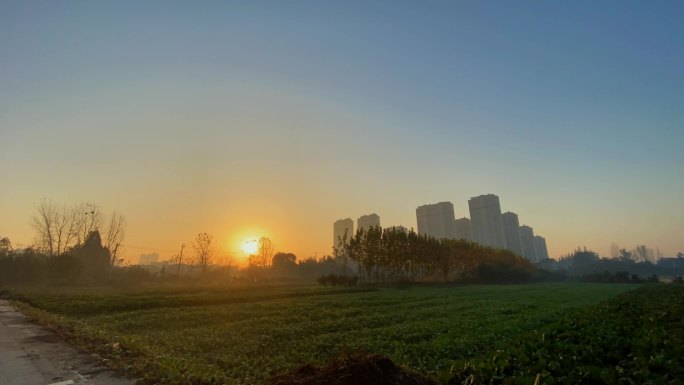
(60, 227)
(92, 218)
(643, 254)
(614, 250)
(57, 227)
(225, 260)
(626, 255)
(114, 235)
(67, 225)
(43, 222)
(204, 249)
(265, 252)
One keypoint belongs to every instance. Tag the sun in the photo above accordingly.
(250, 246)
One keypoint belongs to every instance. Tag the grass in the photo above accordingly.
(634, 338)
(245, 336)
(80, 302)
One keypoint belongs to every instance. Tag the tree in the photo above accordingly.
(614, 250)
(584, 261)
(57, 227)
(395, 255)
(204, 249)
(93, 258)
(114, 235)
(264, 252)
(225, 261)
(643, 254)
(92, 218)
(625, 255)
(340, 250)
(43, 222)
(60, 227)
(284, 259)
(5, 246)
(284, 264)
(26, 266)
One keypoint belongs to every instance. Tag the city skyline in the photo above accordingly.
(244, 120)
(492, 227)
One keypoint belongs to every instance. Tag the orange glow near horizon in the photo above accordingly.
(241, 240)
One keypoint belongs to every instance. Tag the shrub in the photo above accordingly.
(334, 280)
(129, 275)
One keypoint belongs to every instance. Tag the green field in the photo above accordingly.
(245, 335)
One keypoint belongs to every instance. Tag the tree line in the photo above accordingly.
(393, 254)
(583, 262)
(85, 262)
(73, 244)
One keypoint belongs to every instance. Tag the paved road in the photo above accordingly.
(32, 355)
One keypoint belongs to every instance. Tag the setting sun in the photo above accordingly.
(250, 246)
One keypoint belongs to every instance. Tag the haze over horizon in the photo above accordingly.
(244, 119)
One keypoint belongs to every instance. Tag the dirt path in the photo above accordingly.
(31, 355)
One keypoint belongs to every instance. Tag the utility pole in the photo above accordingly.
(180, 259)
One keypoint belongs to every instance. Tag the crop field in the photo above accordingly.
(245, 336)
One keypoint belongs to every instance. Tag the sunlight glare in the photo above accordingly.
(250, 246)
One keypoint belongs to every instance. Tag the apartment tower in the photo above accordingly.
(436, 220)
(366, 221)
(527, 238)
(511, 227)
(463, 229)
(343, 228)
(540, 247)
(486, 222)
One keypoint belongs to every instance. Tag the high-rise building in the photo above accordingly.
(485, 220)
(512, 232)
(436, 220)
(366, 221)
(527, 238)
(343, 228)
(462, 229)
(540, 247)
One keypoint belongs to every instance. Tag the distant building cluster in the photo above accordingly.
(149, 259)
(343, 229)
(487, 225)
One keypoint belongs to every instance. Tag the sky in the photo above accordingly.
(269, 118)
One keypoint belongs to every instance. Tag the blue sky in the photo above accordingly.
(274, 115)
